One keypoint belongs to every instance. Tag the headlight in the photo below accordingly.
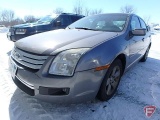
(65, 63)
(21, 31)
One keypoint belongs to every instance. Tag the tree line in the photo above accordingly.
(8, 17)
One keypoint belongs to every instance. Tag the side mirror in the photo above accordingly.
(139, 32)
(58, 23)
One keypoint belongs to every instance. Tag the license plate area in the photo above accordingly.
(13, 68)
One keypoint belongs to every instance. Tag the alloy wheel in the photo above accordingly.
(113, 80)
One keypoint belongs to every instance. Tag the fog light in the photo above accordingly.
(53, 91)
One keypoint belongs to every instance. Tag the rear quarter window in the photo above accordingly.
(75, 18)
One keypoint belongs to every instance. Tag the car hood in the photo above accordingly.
(52, 42)
(27, 25)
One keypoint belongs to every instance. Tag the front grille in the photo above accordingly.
(12, 31)
(27, 59)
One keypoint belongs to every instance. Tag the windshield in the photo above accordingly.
(103, 22)
(47, 19)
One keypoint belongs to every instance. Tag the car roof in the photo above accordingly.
(115, 14)
(72, 14)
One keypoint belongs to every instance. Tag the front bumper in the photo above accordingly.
(83, 86)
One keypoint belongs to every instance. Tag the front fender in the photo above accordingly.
(103, 54)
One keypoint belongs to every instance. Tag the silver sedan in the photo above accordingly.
(85, 60)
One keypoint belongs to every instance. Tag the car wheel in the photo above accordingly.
(111, 81)
(144, 58)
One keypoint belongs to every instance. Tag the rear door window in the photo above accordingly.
(64, 19)
(75, 18)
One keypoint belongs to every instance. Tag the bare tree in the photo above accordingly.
(58, 10)
(7, 15)
(87, 11)
(128, 9)
(7, 18)
(78, 7)
(30, 18)
(96, 11)
(147, 19)
(17, 21)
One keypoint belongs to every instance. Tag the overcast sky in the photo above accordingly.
(144, 8)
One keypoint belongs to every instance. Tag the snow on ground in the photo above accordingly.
(138, 88)
(3, 30)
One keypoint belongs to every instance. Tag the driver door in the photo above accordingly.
(136, 44)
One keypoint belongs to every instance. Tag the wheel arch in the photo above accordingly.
(122, 57)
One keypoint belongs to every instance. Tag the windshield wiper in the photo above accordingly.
(84, 28)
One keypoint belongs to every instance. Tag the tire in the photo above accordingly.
(111, 81)
(145, 56)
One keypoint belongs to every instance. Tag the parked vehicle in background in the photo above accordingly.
(157, 28)
(85, 60)
(47, 23)
(2, 26)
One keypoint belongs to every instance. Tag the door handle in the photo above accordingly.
(143, 39)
